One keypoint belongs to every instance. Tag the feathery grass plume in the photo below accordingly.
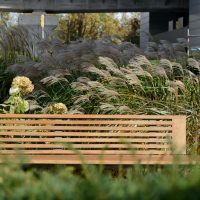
(172, 91)
(124, 110)
(126, 70)
(14, 41)
(109, 94)
(106, 108)
(177, 85)
(133, 64)
(152, 55)
(165, 50)
(83, 79)
(193, 66)
(156, 111)
(49, 61)
(133, 80)
(77, 108)
(177, 70)
(82, 99)
(52, 80)
(191, 76)
(167, 65)
(107, 74)
(108, 49)
(142, 61)
(34, 106)
(96, 85)
(143, 73)
(41, 94)
(75, 112)
(117, 82)
(78, 86)
(159, 71)
(138, 71)
(28, 69)
(92, 69)
(111, 66)
(178, 47)
(60, 73)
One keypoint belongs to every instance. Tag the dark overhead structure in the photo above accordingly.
(63, 6)
(163, 19)
(179, 23)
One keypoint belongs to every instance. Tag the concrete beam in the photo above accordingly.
(67, 6)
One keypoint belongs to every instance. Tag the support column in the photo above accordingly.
(144, 30)
(194, 21)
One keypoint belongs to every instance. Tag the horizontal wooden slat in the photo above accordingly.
(87, 134)
(94, 140)
(87, 122)
(92, 146)
(93, 136)
(86, 152)
(68, 116)
(107, 159)
(87, 128)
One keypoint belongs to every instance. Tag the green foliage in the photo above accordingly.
(137, 182)
(15, 104)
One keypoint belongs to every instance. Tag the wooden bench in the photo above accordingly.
(94, 139)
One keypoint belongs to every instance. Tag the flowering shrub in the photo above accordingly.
(58, 108)
(15, 103)
(22, 85)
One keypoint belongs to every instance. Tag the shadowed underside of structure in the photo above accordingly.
(62, 6)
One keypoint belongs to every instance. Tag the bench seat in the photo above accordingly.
(105, 159)
(93, 139)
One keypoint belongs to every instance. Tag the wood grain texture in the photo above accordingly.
(86, 134)
(106, 159)
(55, 139)
(71, 116)
(86, 128)
(86, 152)
(86, 140)
(86, 146)
(90, 122)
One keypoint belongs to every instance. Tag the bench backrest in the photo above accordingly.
(92, 134)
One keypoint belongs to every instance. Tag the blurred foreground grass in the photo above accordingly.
(89, 182)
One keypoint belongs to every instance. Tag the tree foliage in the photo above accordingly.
(4, 18)
(96, 25)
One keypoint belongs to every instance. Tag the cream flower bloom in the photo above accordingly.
(24, 84)
(58, 108)
(14, 90)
